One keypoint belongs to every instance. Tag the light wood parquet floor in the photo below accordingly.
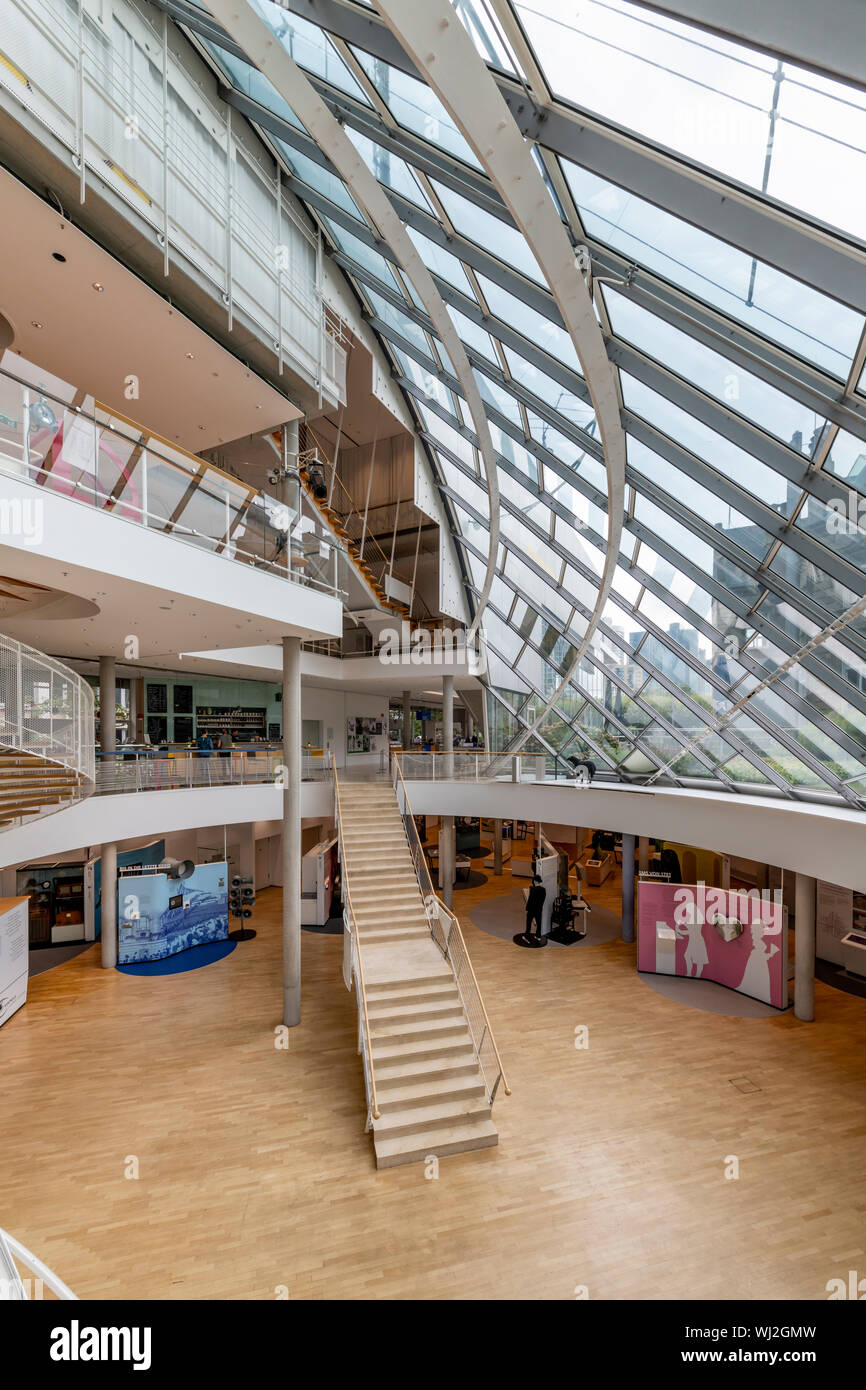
(255, 1174)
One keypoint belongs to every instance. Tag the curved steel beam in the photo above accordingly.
(443, 51)
(265, 52)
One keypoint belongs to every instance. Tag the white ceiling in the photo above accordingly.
(191, 390)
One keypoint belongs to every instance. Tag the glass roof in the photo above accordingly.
(741, 376)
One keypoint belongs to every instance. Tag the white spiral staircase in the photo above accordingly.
(47, 753)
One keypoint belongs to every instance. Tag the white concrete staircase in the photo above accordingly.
(431, 1092)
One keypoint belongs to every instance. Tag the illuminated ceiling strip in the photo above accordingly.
(267, 54)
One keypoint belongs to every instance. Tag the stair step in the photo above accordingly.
(411, 1030)
(429, 1090)
(427, 1071)
(419, 993)
(418, 1119)
(392, 1013)
(477, 1133)
(426, 1049)
(382, 937)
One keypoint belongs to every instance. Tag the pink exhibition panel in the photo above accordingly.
(735, 939)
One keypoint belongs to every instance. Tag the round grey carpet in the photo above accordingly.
(710, 998)
(474, 879)
(505, 916)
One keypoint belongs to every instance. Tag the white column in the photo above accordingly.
(804, 948)
(291, 866)
(446, 858)
(109, 907)
(107, 704)
(448, 726)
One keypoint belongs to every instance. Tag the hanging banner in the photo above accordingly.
(735, 939)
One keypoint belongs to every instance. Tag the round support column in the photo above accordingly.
(291, 847)
(804, 948)
(108, 939)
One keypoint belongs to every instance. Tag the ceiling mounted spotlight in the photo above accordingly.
(35, 323)
(99, 288)
(191, 356)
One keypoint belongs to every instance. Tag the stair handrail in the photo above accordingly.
(367, 1051)
(428, 892)
(69, 739)
(12, 1286)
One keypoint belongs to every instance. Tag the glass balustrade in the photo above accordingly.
(105, 461)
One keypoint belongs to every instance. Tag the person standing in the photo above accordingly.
(534, 904)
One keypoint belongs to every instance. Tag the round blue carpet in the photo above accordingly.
(193, 959)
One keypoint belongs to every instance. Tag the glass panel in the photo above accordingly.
(310, 47)
(489, 232)
(723, 570)
(253, 84)
(441, 262)
(362, 254)
(530, 323)
(709, 371)
(782, 309)
(847, 459)
(711, 509)
(415, 106)
(576, 410)
(709, 446)
(389, 169)
(710, 100)
(401, 323)
(311, 173)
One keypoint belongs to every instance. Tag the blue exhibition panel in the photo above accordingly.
(159, 916)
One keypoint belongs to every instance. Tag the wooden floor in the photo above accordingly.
(256, 1174)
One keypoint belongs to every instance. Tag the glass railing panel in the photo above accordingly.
(13, 427)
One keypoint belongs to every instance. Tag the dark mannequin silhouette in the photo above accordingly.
(534, 904)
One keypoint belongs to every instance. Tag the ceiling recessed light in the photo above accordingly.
(99, 288)
(35, 323)
(202, 427)
(191, 356)
(57, 256)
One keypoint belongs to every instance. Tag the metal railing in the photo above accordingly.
(365, 1044)
(130, 770)
(464, 765)
(119, 97)
(15, 1288)
(103, 460)
(445, 931)
(46, 709)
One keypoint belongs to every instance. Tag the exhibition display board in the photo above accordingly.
(737, 939)
(14, 955)
(158, 915)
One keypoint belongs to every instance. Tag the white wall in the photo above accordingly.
(334, 707)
